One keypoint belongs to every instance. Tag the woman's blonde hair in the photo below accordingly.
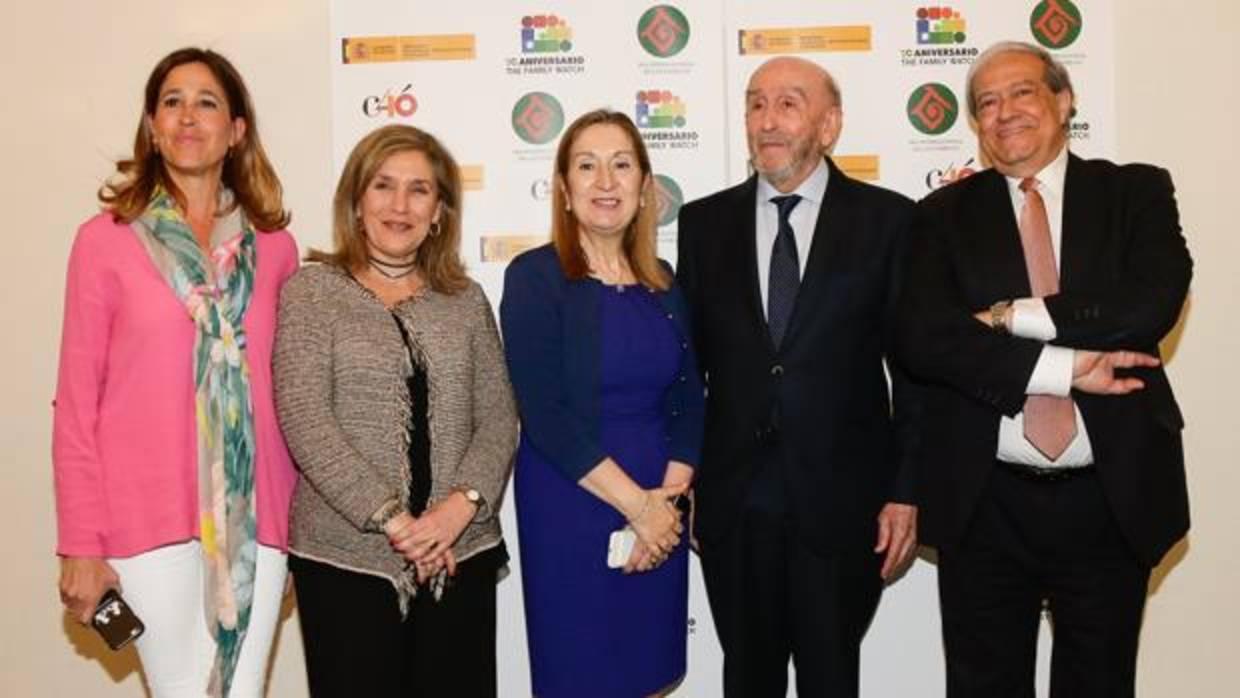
(438, 257)
(639, 242)
(247, 171)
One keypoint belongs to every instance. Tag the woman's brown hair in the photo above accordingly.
(247, 171)
(439, 256)
(639, 242)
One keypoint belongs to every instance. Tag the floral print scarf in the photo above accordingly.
(216, 293)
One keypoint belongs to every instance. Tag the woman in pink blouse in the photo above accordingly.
(172, 478)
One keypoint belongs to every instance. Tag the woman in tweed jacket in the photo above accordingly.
(393, 396)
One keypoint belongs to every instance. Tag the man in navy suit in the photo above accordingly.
(803, 494)
(1051, 471)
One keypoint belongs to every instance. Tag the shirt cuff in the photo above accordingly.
(1052, 375)
(1031, 320)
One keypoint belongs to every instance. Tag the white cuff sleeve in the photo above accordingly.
(1031, 320)
(1052, 375)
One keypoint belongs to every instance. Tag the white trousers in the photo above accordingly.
(165, 589)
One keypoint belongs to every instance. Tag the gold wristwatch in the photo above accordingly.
(998, 317)
(472, 495)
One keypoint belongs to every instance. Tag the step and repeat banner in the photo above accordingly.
(498, 82)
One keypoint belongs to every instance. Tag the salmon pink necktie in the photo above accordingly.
(1050, 421)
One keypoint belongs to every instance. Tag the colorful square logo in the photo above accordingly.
(659, 109)
(939, 25)
(545, 34)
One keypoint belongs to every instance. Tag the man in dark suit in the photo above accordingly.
(803, 498)
(1050, 465)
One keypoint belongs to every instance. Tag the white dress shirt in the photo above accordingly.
(1052, 375)
(803, 220)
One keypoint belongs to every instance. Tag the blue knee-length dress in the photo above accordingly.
(595, 631)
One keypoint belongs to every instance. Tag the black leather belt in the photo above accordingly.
(1040, 473)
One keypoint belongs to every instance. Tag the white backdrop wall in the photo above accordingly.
(73, 74)
(680, 70)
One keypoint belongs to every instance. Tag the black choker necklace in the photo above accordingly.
(402, 270)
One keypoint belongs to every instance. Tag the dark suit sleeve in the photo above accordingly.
(906, 398)
(939, 340)
(1140, 308)
(686, 400)
(688, 280)
(534, 343)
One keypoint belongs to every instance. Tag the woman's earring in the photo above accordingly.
(434, 229)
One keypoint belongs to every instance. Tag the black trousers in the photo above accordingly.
(1032, 543)
(356, 643)
(773, 599)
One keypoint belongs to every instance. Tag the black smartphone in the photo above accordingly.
(115, 621)
(682, 504)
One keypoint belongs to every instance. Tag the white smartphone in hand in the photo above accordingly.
(620, 547)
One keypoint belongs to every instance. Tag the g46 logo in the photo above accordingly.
(393, 103)
(942, 177)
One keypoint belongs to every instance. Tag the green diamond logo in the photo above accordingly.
(663, 31)
(932, 108)
(1055, 23)
(537, 118)
(668, 199)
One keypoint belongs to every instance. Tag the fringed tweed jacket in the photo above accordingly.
(340, 368)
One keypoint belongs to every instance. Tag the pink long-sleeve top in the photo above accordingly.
(124, 436)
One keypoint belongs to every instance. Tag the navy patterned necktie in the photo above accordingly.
(785, 276)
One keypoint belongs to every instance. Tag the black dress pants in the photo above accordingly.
(1030, 543)
(773, 598)
(356, 643)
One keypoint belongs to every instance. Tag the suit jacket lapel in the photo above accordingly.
(1082, 216)
(835, 218)
(744, 215)
(995, 240)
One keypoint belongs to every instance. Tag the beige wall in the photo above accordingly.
(71, 75)
(1177, 106)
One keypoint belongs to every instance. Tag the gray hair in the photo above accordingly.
(1054, 74)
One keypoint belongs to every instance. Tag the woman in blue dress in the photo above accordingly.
(611, 404)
